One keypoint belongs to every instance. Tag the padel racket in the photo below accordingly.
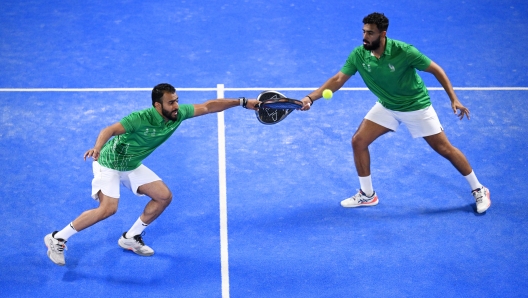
(274, 107)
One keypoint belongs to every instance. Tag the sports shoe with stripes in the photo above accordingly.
(360, 199)
(135, 244)
(482, 199)
(56, 248)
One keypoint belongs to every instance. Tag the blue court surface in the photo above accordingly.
(256, 207)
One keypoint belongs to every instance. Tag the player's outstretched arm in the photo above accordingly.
(105, 135)
(334, 83)
(442, 78)
(221, 104)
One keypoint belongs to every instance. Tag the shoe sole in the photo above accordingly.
(362, 205)
(49, 253)
(355, 206)
(134, 251)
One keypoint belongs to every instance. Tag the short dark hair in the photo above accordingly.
(159, 90)
(379, 19)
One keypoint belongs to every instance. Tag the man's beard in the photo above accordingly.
(168, 114)
(373, 46)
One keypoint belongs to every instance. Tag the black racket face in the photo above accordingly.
(267, 95)
(282, 104)
(268, 115)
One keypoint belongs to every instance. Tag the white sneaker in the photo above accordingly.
(136, 245)
(360, 199)
(482, 199)
(56, 248)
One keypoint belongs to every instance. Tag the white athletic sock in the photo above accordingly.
(66, 233)
(136, 229)
(473, 181)
(366, 185)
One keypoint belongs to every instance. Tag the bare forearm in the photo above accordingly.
(333, 84)
(221, 104)
(446, 84)
(103, 137)
(442, 78)
(218, 105)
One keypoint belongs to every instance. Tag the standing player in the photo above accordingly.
(388, 68)
(119, 160)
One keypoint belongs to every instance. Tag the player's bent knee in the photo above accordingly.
(106, 211)
(359, 142)
(110, 212)
(108, 207)
(168, 199)
(164, 198)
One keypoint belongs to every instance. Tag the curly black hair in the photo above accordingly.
(379, 19)
(159, 90)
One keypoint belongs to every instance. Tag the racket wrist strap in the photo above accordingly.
(243, 102)
(311, 100)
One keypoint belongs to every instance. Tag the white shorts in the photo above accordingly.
(421, 123)
(107, 180)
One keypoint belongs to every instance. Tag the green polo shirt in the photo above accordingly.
(145, 130)
(392, 77)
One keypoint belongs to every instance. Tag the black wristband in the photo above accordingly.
(311, 100)
(244, 102)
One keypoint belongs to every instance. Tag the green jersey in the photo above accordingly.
(145, 130)
(392, 77)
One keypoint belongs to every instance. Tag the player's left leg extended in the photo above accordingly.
(442, 146)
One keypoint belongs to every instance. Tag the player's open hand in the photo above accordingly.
(93, 153)
(460, 110)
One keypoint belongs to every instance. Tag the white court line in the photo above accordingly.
(240, 89)
(224, 255)
(366, 89)
(94, 89)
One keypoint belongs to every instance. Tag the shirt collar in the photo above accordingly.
(159, 119)
(388, 47)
